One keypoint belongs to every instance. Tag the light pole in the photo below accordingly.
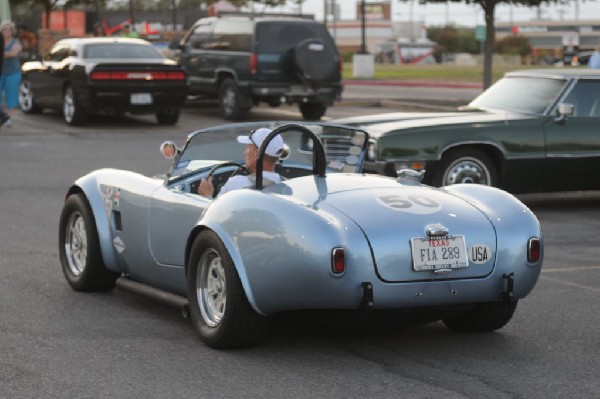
(363, 47)
(131, 15)
(174, 4)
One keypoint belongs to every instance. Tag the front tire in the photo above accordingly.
(234, 105)
(73, 112)
(27, 101)
(218, 305)
(312, 111)
(483, 317)
(79, 248)
(465, 165)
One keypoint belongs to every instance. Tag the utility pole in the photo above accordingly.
(174, 3)
(131, 15)
(363, 47)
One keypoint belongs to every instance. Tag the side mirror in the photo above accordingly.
(563, 111)
(169, 150)
(285, 154)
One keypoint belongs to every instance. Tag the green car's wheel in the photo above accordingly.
(218, 305)
(484, 317)
(465, 165)
(79, 248)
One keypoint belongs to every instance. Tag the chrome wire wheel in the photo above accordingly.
(26, 96)
(76, 244)
(69, 105)
(211, 284)
(467, 170)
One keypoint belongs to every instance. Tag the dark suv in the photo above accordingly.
(245, 60)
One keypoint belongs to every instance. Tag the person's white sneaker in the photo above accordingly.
(8, 123)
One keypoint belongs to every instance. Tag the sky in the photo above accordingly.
(461, 14)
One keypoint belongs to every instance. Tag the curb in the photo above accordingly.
(405, 104)
(412, 83)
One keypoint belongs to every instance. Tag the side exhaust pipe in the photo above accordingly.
(180, 302)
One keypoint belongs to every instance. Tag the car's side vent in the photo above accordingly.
(117, 220)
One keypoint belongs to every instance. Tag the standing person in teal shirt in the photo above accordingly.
(3, 115)
(11, 69)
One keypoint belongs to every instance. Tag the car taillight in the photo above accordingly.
(338, 260)
(135, 75)
(252, 62)
(534, 249)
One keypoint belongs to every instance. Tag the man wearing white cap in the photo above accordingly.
(253, 142)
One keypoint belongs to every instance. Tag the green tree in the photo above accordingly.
(489, 8)
(514, 45)
(451, 39)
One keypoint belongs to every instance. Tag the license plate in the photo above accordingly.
(439, 253)
(141, 98)
(298, 89)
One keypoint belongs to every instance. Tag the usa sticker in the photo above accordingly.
(480, 254)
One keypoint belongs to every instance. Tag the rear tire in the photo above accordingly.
(312, 111)
(218, 305)
(234, 105)
(167, 118)
(79, 248)
(484, 317)
(27, 98)
(73, 112)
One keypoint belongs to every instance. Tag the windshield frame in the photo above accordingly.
(358, 138)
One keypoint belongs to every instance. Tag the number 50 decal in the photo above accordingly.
(410, 203)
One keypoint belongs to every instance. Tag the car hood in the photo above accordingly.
(367, 120)
(376, 130)
(392, 216)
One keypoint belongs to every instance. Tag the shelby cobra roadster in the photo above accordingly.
(326, 238)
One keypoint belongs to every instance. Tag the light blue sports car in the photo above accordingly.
(326, 238)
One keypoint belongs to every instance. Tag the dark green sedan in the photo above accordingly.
(532, 131)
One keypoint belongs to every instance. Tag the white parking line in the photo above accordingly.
(570, 269)
(571, 284)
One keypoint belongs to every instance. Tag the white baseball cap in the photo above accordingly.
(256, 137)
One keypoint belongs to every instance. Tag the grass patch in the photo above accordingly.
(436, 72)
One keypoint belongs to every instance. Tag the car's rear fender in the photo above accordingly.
(515, 224)
(282, 251)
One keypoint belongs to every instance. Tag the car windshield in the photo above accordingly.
(344, 147)
(120, 50)
(529, 95)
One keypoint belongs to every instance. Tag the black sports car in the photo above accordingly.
(104, 75)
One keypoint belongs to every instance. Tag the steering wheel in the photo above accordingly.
(224, 165)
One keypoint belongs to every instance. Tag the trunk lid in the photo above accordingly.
(396, 219)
